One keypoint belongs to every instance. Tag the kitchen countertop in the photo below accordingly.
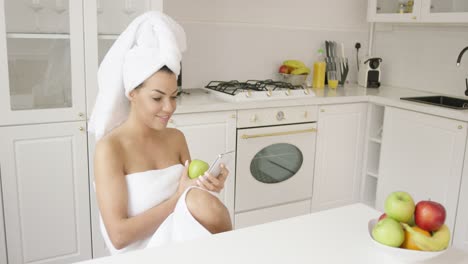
(200, 100)
(337, 235)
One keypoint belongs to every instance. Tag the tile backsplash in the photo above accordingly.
(249, 39)
(423, 57)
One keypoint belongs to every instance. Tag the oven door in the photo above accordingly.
(274, 165)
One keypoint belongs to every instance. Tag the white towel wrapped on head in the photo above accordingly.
(151, 41)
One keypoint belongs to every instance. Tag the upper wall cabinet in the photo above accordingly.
(103, 23)
(418, 11)
(50, 51)
(41, 61)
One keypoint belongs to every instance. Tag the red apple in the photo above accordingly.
(429, 215)
(383, 216)
(284, 69)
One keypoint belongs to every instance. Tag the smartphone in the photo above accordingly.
(224, 158)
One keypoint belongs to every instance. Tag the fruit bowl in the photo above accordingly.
(293, 79)
(401, 254)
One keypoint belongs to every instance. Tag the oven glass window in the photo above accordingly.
(276, 163)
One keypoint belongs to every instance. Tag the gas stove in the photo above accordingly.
(253, 90)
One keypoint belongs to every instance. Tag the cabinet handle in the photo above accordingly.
(81, 128)
(311, 130)
(80, 114)
(460, 127)
(414, 17)
(233, 116)
(322, 110)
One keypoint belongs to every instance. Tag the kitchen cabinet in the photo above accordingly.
(339, 154)
(41, 62)
(207, 135)
(49, 55)
(418, 11)
(104, 20)
(44, 173)
(460, 233)
(422, 155)
(3, 252)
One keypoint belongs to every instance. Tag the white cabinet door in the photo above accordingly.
(41, 62)
(460, 233)
(444, 11)
(422, 155)
(393, 11)
(207, 135)
(339, 154)
(3, 253)
(44, 171)
(421, 11)
(104, 20)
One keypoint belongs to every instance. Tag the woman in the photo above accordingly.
(144, 195)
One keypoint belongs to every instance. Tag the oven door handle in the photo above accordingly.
(311, 130)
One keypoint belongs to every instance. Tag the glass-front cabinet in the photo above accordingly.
(41, 61)
(393, 10)
(111, 18)
(422, 11)
(447, 11)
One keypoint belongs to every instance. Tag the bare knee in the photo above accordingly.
(208, 210)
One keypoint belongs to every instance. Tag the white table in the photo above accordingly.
(334, 236)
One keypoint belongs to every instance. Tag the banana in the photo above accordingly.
(303, 70)
(439, 240)
(294, 64)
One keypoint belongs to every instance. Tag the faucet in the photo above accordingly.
(458, 65)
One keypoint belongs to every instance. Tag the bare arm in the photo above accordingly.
(112, 197)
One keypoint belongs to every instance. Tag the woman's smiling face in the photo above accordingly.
(155, 100)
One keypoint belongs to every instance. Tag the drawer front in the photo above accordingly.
(271, 214)
(276, 116)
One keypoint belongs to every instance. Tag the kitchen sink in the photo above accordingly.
(444, 101)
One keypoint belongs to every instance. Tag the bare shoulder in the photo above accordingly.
(175, 133)
(109, 153)
(179, 143)
(108, 146)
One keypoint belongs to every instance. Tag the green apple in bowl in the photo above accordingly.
(197, 168)
(388, 232)
(400, 206)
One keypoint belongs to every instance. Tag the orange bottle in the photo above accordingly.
(320, 67)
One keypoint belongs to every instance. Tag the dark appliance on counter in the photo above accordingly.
(369, 73)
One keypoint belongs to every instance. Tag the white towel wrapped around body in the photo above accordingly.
(149, 188)
(151, 41)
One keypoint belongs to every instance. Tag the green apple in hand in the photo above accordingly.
(197, 168)
(388, 232)
(400, 206)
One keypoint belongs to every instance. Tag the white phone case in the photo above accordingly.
(224, 158)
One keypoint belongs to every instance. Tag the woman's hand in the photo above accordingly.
(185, 181)
(212, 183)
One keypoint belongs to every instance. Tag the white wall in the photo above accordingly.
(423, 57)
(249, 39)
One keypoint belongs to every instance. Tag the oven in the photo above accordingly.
(274, 164)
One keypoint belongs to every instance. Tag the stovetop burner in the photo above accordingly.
(234, 87)
(252, 90)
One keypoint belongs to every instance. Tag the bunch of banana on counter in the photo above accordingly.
(295, 67)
